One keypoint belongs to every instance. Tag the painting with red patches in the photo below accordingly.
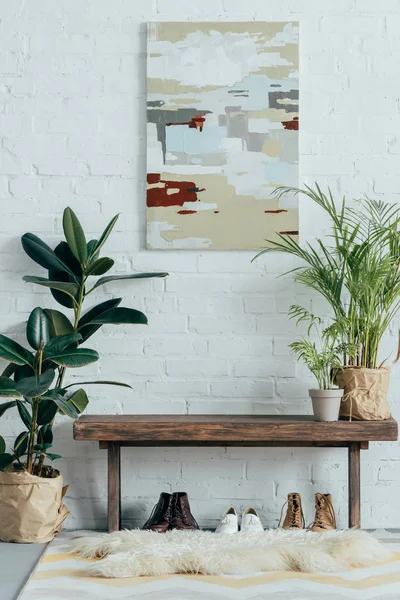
(222, 133)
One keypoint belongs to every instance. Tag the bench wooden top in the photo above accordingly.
(214, 429)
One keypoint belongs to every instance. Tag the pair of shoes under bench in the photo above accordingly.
(250, 523)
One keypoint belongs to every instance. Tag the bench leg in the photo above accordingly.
(114, 487)
(354, 484)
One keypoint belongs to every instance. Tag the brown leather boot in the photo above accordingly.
(294, 518)
(325, 519)
(160, 517)
(182, 518)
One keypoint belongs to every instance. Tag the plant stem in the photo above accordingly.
(31, 443)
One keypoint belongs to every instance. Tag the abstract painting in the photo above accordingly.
(222, 134)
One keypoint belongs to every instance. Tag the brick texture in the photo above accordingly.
(72, 132)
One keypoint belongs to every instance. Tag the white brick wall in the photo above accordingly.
(72, 125)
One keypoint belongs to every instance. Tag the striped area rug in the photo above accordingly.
(60, 576)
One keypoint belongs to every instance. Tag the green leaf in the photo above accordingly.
(36, 385)
(10, 350)
(42, 254)
(23, 371)
(24, 414)
(74, 235)
(98, 310)
(59, 323)
(118, 316)
(61, 297)
(65, 255)
(41, 447)
(52, 456)
(91, 246)
(71, 289)
(6, 405)
(64, 406)
(9, 370)
(80, 400)
(99, 383)
(2, 445)
(60, 343)
(21, 444)
(88, 330)
(45, 435)
(100, 266)
(111, 278)
(8, 389)
(5, 461)
(37, 328)
(72, 358)
(47, 410)
(104, 235)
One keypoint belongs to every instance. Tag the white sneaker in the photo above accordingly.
(229, 522)
(251, 522)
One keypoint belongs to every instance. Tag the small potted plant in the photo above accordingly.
(324, 362)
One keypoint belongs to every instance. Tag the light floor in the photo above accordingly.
(17, 561)
(61, 576)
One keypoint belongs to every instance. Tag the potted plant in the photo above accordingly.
(323, 361)
(31, 491)
(356, 270)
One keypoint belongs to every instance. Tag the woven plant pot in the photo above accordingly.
(365, 393)
(31, 508)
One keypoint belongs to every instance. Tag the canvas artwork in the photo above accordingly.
(222, 134)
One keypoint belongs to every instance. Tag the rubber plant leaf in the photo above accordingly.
(8, 388)
(88, 330)
(79, 357)
(75, 235)
(5, 460)
(6, 405)
(110, 278)
(46, 412)
(2, 445)
(9, 370)
(100, 266)
(60, 343)
(37, 328)
(21, 444)
(42, 254)
(24, 414)
(79, 399)
(64, 406)
(119, 316)
(69, 288)
(36, 385)
(103, 238)
(14, 352)
(99, 383)
(59, 323)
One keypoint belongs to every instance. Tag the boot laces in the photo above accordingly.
(183, 517)
(296, 514)
(322, 505)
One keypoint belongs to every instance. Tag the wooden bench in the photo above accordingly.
(115, 431)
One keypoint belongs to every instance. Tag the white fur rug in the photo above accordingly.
(135, 553)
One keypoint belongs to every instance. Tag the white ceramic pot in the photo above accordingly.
(326, 404)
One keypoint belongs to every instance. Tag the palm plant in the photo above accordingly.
(323, 361)
(56, 339)
(356, 270)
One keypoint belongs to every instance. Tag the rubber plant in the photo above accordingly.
(33, 382)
